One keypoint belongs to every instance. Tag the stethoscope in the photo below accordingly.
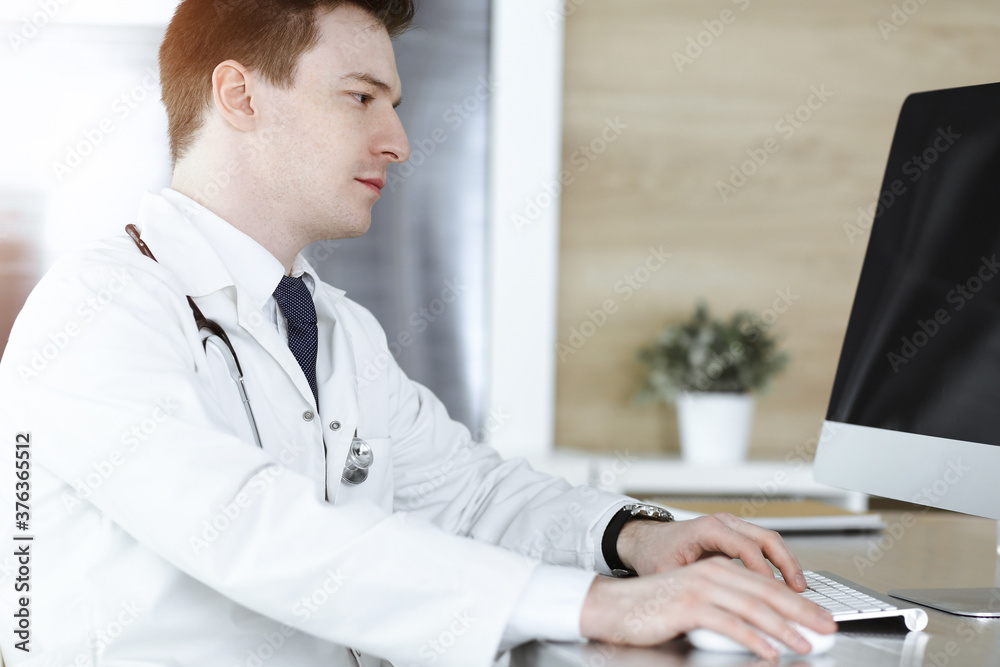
(359, 458)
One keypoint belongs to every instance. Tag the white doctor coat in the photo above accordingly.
(163, 536)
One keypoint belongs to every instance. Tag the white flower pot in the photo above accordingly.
(714, 427)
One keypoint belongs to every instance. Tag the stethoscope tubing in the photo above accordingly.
(229, 356)
(360, 456)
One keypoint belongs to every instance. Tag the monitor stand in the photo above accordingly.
(978, 602)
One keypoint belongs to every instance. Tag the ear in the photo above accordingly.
(232, 93)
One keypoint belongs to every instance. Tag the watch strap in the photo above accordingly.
(609, 543)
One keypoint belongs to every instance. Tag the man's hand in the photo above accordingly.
(649, 547)
(716, 594)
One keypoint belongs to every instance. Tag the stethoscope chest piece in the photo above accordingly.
(359, 460)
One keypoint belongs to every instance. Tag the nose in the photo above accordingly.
(394, 143)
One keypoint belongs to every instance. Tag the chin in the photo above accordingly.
(360, 228)
(345, 229)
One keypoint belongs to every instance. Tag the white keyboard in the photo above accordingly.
(848, 601)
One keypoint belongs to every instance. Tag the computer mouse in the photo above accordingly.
(708, 640)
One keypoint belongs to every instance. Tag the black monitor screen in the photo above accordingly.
(922, 349)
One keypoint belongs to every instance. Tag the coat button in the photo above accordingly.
(335, 426)
(308, 415)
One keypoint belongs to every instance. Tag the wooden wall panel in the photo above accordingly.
(655, 184)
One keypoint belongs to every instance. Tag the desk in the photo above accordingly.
(925, 550)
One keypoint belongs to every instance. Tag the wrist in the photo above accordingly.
(613, 542)
(628, 538)
(597, 616)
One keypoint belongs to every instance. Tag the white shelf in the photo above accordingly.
(648, 475)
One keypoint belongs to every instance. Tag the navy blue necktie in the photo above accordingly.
(296, 303)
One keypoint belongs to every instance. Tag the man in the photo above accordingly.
(165, 534)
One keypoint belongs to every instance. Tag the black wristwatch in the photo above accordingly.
(609, 545)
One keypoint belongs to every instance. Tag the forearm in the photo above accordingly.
(468, 489)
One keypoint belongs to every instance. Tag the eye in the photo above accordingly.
(361, 97)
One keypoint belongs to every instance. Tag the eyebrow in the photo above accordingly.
(372, 81)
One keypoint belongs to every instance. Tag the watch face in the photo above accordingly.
(650, 512)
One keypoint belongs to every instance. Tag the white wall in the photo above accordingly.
(87, 12)
(526, 113)
(84, 128)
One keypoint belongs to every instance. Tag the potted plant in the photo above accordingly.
(710, 368)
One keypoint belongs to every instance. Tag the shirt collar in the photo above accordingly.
(252, 267)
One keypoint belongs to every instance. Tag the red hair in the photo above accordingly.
(266, 36)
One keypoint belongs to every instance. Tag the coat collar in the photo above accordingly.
(208, 254)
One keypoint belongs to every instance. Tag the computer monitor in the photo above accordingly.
(915, 410)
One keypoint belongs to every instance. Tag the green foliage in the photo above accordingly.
(706, 354)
